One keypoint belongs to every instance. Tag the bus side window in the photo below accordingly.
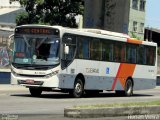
(70, 41)
(123, 52)
(131, 53)
(150, 56)
(119, 52)
(83, 47)
(95, 49)
(141, 55)
(107, 50)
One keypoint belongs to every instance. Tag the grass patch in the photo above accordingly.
(119, 105)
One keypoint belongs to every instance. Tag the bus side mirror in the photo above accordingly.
(10, 42)
(66, 49)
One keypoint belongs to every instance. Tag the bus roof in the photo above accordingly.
(105, 32)
(95, 31)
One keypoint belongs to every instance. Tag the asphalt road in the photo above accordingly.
(51, 105)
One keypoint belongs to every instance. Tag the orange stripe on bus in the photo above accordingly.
(124, 71)
(129, 40)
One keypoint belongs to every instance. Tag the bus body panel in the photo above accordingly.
(102, 75)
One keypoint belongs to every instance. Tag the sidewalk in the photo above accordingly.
(8, 87)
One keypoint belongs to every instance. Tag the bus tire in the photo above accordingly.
(35, 92)
(78, 89)
(128, 90)
(128, 87)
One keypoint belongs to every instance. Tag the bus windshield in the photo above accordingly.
(36, 50)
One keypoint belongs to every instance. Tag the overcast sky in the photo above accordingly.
(153, 13)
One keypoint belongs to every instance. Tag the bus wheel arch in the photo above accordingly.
(81, 76)
(78, 88)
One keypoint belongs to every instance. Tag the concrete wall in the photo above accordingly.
(112, 15)
(139, 17)
(93, 14)
(117, 15)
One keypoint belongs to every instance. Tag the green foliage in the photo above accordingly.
(52, 12)
(22, 18)
(133, 35)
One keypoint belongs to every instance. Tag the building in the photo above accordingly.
(8, 12)
(152, 34)
(125, 16)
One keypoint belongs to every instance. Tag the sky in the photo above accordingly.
(152, 14)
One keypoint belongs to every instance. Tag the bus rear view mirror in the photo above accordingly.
(10, 42)
(66, 49)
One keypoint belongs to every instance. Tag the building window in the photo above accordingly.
(135, 4)
(134, 26)
(142, 5)
(141, 27)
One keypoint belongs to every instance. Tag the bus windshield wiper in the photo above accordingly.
(25, 39)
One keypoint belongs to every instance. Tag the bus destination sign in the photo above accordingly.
(37, 31)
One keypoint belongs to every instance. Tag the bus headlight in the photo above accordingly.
(52, 74)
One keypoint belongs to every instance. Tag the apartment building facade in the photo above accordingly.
(8, 11)
(124, 16)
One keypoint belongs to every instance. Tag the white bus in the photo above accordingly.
(81, 61)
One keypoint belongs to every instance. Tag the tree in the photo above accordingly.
(52, 12)
(133, 35)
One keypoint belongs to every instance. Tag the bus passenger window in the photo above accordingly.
(69, 40)
(131, 53)
(150, 55)
(83, 48)
(141, 55)
(123, 51)
(107, 51)
(116, 53)
(95, 49)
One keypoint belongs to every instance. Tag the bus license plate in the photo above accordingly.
(29, 81)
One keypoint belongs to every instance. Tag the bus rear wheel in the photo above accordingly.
(78, 89)
(128, 90)
(35, 92)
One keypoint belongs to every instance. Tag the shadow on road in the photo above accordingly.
(67, 96)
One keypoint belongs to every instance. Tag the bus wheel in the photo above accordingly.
(128, 88)
(35, 92)
(78, 90)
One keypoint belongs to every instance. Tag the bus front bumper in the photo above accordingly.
(35, 81)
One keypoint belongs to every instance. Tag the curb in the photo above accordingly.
(111, 111)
